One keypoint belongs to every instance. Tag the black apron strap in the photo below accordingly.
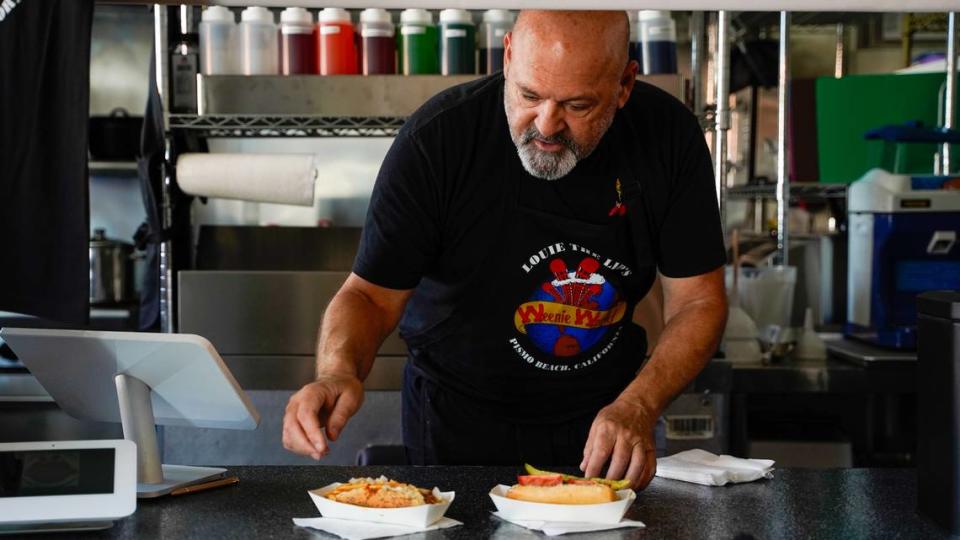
(638, 219)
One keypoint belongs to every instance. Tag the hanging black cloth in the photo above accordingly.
(44, 207)
(150, 234)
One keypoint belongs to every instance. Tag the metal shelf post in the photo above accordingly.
(783, 107)
(839, 63)
(722, 73)
(950, 105)
(160, 39)
(697, 50)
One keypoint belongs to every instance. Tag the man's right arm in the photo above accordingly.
(400, 241)
(357, 320)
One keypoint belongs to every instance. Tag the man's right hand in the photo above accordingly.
(354, 326)
(323, 405)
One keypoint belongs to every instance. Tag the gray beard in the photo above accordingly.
(547, 165)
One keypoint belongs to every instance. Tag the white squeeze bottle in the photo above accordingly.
(258, 42)
(218, 30)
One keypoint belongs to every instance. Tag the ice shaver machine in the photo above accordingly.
(903, 241)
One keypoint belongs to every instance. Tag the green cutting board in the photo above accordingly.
(850, 106)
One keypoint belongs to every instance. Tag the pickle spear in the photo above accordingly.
(616, 485)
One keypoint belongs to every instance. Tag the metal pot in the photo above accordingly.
(111, 270)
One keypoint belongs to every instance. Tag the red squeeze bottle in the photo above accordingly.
(297, 46)
(336, 46)
(379, 43)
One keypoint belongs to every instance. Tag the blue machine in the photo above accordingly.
(903, 234)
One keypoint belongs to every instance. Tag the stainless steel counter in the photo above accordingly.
(264, 324)
(866, 411)
(832, 376)
(265, 372)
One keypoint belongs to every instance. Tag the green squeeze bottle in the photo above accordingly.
(458, 43)
(418, 44)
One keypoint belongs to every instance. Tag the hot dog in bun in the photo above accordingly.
(555, 489)
(616, 485)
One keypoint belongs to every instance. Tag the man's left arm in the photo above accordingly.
(695, 312)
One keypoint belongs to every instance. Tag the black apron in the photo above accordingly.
(555, 335)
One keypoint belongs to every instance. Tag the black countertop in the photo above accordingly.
(842, 503)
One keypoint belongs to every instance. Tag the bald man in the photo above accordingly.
(515, 223)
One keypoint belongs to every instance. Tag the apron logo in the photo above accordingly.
(571, 312)
(619, 209)
(6, 7)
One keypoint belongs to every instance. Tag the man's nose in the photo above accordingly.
(550, 119)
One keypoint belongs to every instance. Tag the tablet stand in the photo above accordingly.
(141, 380)
(139, 426)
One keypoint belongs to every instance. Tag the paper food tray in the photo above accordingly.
(611, 512)
(413, 516)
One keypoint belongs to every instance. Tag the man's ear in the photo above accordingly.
(627, 80)
(507, 51)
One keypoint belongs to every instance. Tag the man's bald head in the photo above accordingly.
(590, 38)
(566, 73)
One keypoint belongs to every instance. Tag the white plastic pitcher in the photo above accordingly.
(766, 293)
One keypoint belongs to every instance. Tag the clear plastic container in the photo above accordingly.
(298, 51)
(218, 34)
(766, 294)
(378, 42)
(457, 42)
(258, 42)
(658, 42)
(496, 23)
(336, 43)
(418, 46)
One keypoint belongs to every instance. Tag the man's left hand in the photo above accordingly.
(622, 433)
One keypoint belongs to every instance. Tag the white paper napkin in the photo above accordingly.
(556, 528)
(702, 467)
(364, 530)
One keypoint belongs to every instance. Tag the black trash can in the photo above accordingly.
(938, 395)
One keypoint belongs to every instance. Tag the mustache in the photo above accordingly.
(532, 133)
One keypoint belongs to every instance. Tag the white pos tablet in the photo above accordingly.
(140, 380)
(66, 485)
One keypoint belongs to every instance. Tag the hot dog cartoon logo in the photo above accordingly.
(571, 310)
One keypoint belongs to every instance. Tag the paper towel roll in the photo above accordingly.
(272, 178)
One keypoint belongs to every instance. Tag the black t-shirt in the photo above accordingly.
(441, 220)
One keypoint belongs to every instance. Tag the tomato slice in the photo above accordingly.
(540, 480)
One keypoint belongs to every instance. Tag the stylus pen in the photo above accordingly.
(205, 486)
